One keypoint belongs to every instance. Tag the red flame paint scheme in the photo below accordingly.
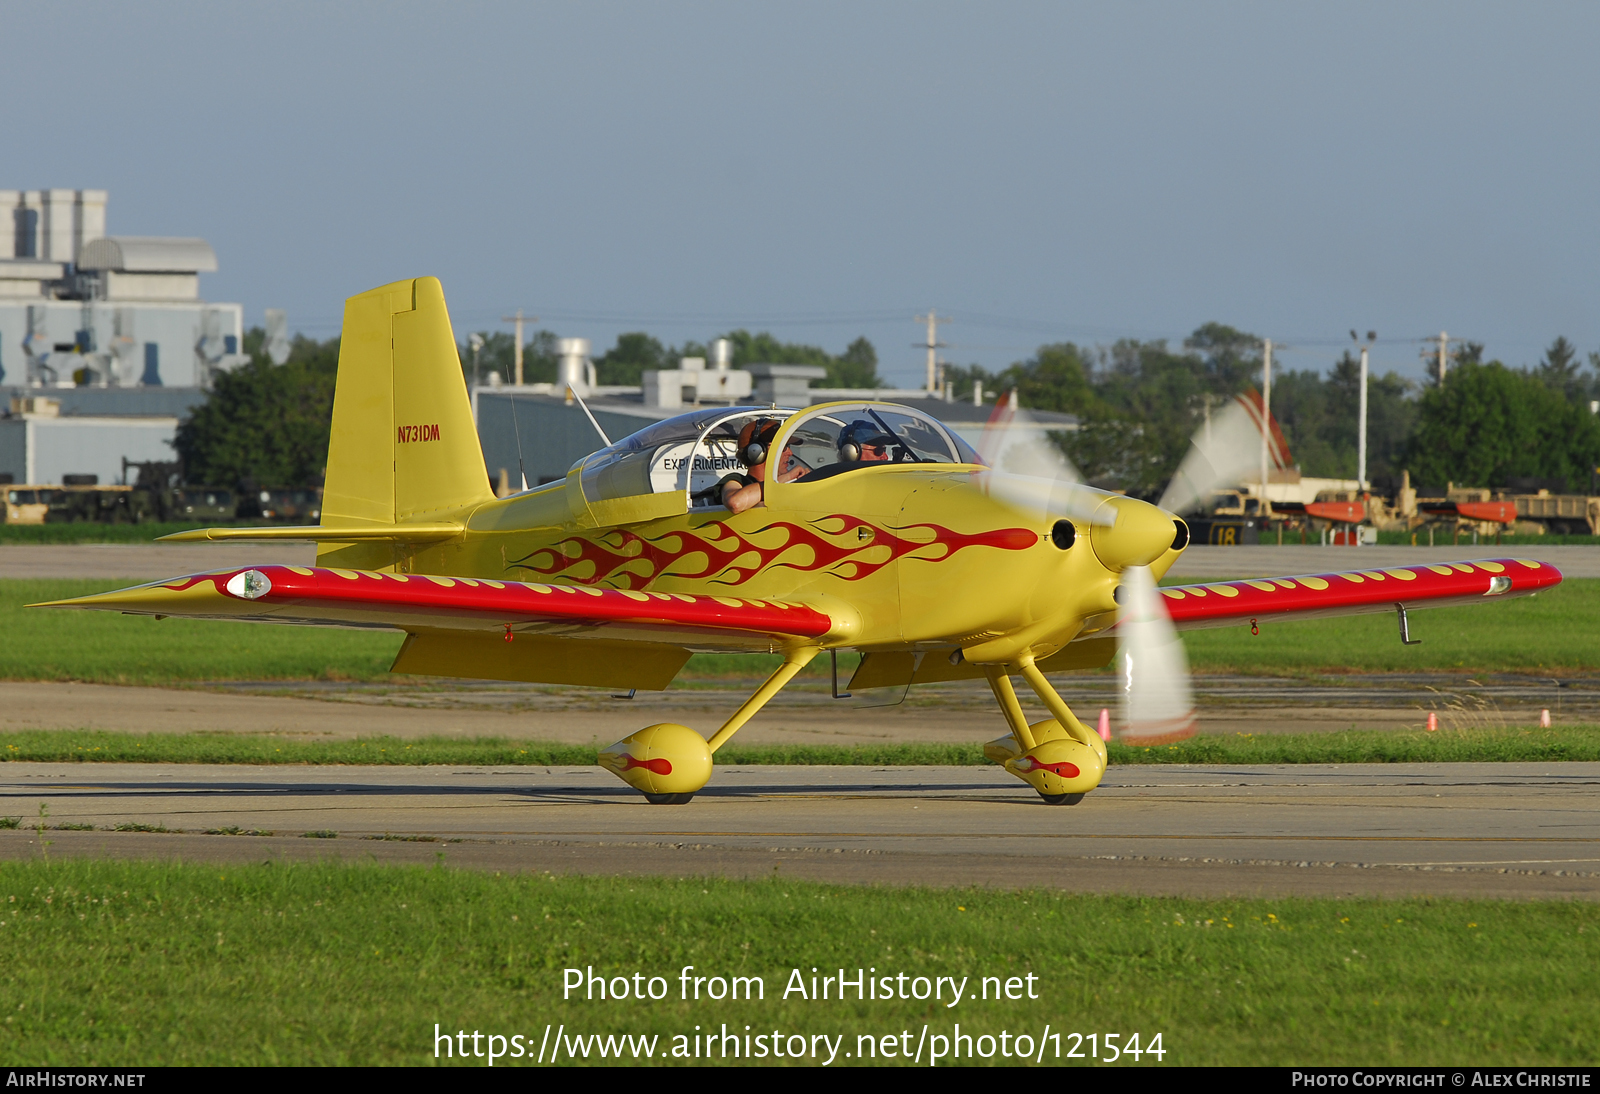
(660, 765)
(627, 560)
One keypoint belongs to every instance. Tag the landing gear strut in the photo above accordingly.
(669, 763)
(1059, 757)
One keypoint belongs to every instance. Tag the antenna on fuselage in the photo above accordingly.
(574, 393)
(518, 431)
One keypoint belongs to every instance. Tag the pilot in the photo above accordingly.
(864, 442)
(741, 492)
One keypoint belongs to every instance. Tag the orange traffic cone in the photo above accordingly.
(1433, 722)
(1105, 724)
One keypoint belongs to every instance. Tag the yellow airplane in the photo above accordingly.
(880, 530)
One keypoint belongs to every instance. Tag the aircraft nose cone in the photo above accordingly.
(1140, 533)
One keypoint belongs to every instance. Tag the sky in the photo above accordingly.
(1040, 172)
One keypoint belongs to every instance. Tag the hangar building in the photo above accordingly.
(105, 341)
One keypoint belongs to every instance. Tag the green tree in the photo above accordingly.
(1300, 403)
(857, 367)
(1488, 424)
(1320, 417)
(264, 424)
(499, 355)
(1561, 371)
(1151, 400)
(1231, 357)
(625, 362)
(1138, 403)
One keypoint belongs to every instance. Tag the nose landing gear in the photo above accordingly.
(1059, 757)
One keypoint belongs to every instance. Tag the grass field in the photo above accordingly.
(1442, 538)
(1553, 633)
(85, 532)
(1579, 742)
(148, 964)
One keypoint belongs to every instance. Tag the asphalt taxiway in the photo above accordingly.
(1462, 830)
(804, 713)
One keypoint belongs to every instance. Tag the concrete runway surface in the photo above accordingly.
(1515, 831)
(152, 561)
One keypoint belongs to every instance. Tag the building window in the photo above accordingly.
(27, 227)
(152, 365)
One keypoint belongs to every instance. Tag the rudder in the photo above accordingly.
(403, 445)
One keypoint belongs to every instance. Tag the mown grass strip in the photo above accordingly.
(86, 532)
(1574, 742)
(135, 964)
(1579, 742)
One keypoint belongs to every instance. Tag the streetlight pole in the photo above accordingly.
(1361, 416)
(1266, 419)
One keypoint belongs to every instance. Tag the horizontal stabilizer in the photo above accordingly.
(419, 532)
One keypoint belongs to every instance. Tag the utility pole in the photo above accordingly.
(1361, 417)
(519, 319)
(932, 345)
(1444, 355)
(1266, 418)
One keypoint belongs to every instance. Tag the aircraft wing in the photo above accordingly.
(1355, 592)
(485, 629)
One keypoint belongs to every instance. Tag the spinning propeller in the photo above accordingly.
(1156, 702)
(1223, 451)
(1030, 472)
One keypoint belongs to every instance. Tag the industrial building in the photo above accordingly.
(40, 446)
(109, 331)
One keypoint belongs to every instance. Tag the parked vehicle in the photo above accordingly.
(1558, 514)
(27, 504)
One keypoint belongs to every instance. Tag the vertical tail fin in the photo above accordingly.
(403, 446)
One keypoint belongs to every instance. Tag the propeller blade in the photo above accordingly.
(1029, 470)
(1221, 454)
(1157, 705)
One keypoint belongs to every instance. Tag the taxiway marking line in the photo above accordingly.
(657, 834)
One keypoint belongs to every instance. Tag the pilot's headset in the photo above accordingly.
(857, 434)
(755, 441)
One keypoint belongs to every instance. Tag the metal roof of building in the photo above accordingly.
(148, 254)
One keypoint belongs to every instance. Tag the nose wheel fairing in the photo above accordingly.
(1059, 757)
